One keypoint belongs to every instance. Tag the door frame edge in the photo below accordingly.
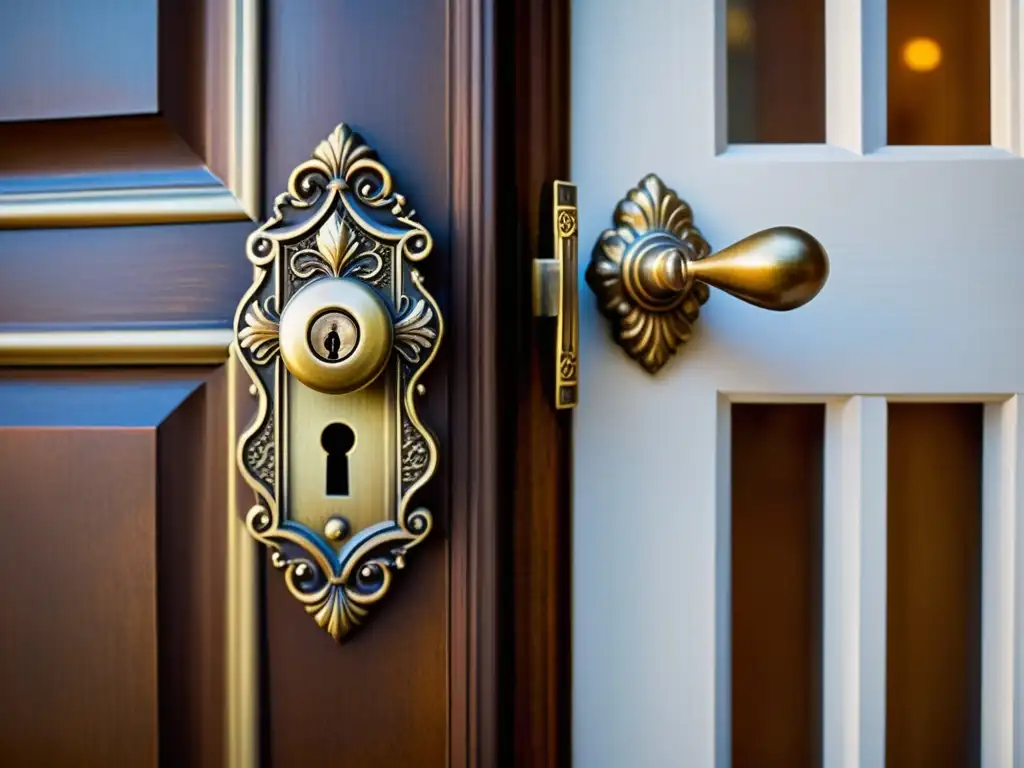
(511, 449)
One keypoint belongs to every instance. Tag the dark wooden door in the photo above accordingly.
(140, 143)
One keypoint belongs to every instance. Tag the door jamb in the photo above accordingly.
(511, 450)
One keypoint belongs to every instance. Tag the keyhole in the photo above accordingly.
(332, 341)
(338, 440)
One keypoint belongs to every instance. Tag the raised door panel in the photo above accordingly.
(117, 114)
(114, 59)
(113, 510)
(129, 112)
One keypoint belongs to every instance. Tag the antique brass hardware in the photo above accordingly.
(335, 334)
(555, 291)
(651, 273)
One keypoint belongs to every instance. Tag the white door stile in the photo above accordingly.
(855, 75)
(723, 584)
(1007, 24)
(1002, 505)
(854, 593)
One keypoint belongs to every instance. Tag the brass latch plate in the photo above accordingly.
(555, 292)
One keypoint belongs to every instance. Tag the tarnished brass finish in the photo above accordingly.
(372, 415)
(336, 335)
(651, 273)
(337, 452)
(555, 292)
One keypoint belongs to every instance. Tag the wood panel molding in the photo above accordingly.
(115, 347)
(242, 598)
(193, 577)
(176, 275)
(111, 207)
(197, 160)
(121, 479)
(475, 440)
(59, 651)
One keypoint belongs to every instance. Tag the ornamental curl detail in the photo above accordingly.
(651, 218)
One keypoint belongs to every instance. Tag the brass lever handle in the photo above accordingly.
(651, 273)
(781, 268)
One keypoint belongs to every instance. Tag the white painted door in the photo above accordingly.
(923, 304)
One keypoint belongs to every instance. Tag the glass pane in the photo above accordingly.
(776, 584)
(938, 83)
(933, 604)
(776, 71)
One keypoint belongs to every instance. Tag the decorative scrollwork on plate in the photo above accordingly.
(566, 224)
(415, 454)
(339, 218)
(259, 452)
(261, 332)
(338, 253)
(413, 331)
(567, 365)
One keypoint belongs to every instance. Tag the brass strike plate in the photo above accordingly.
(335, 333)
(555, 291)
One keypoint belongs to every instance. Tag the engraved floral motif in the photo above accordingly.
(412, 331)
(345, 155)
(337, 606)
(415, 456)
(651, 217)
(336, 613)
(383, 279)
(337, 254)
(566, 223)
(260, 334)
(567, 366)
(259, 451)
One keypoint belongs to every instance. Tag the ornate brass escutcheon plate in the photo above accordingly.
(335, 333)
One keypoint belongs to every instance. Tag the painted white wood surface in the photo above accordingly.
(854, 563)
(923, 302)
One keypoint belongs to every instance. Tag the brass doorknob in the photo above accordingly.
(651, 273)
(336, 335)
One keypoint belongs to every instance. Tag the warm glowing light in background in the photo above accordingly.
(739, 27)
(922, 54)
